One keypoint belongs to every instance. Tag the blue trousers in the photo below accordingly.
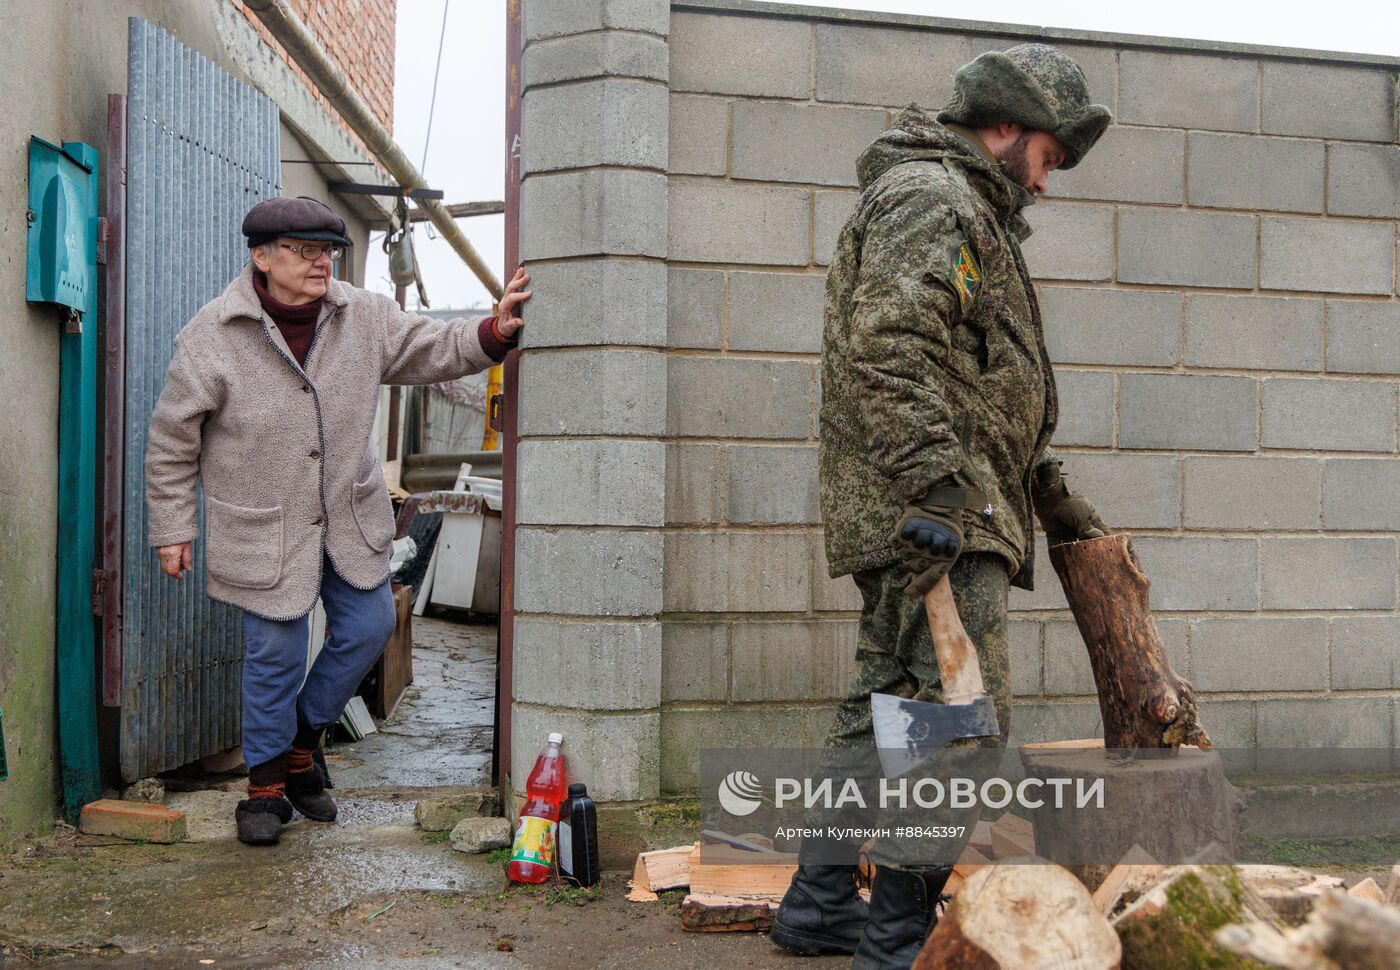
(274, 662)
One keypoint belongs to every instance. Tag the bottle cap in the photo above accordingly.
(578, 789)
(556, 738)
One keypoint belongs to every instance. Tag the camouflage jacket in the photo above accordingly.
(934, 368)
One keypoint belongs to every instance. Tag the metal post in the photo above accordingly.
(114, 410)
(391, 448)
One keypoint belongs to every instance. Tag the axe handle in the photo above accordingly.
(957, 654)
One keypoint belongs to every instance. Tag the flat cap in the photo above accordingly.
(299, 218)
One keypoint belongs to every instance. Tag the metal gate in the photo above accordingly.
(202, 147)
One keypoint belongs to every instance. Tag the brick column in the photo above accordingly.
(592, 463)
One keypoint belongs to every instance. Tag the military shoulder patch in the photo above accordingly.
(967, 278)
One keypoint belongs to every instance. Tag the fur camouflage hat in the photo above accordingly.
(1033, 85)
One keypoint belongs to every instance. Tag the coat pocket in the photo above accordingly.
(244, 546)
(370, 501)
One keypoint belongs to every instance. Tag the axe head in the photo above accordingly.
(908, 733)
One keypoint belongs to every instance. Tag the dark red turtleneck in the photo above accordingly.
(297, 322)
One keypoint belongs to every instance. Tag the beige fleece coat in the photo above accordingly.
(284, 454)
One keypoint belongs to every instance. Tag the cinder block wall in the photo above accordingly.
(1219, 286)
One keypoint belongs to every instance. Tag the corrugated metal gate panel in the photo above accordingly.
(201, 148)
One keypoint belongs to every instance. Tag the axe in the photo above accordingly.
(908, 732)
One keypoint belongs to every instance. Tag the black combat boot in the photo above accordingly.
(821, 912)
(902, 914)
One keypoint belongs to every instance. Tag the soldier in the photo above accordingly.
(937, 412)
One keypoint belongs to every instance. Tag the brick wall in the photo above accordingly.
(1218, 279)
(358, 36)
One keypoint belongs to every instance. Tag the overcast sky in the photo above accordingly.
(467, 151)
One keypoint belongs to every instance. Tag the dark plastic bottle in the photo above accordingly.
(578, 838)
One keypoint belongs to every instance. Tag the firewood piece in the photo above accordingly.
(969, 862)
(719, 870)
(1144, 702)
(1367, 889)
(1289, 891)
(663, 869)
(709, 913)
(1170, 926)
(1021, 916)
(1136, 872)
(1342, 933)
(981, 839)
(1012, 836)
(1392, 887)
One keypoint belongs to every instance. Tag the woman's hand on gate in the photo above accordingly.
(175, 560)
(507, 313)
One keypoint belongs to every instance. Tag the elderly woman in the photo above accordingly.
(271, 398)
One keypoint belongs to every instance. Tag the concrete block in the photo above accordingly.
(576, 303)
(134, 821)
(1128, 165)
(785, 142)
(1330, 722)
(1188, 90)
(1257, 493)
(840, 593)
(1071, 241)
(1067, 669)
(726, 222)
(610, 122)
(1024, 637)
(739, 572)
(1363, 337)
(1363, 180)
(593, 213)
(1365, 652)
(1259, 653)
(1229, 723)
(699, 132)
(1319, 254)
(1329, 101)
(1249, 172)
(776, 311)
(772, 484)
(685, 732)
(440, 813)
(1034, 721)
(1328, 415)
(736, 397)
(1180, 247)
(619, 754)
(1190, 573)
(887, 66)
(1256, 333)
(588, 665)
(1129, 491)
(831, 210)
(1358, 494)
(595, 481)
(554, 18)
(694, 661)
(583, 572)
(1086, 408)
(604, 54)
(607, 392)
(694, 308)
(1328, 573)
(754, 56)
(778, 660)
(1192, 411)
(1047, 595)
(694, 485)
(1092, 325)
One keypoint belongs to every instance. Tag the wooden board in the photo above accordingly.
(663, 869)
(723, 871)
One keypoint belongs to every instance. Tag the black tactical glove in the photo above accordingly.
(1064, 515)
(928, 538)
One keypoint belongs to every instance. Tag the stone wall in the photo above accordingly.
(1218, 280)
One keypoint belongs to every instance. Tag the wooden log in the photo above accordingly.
(709, 913)
(662, 869)
(969, 862)
(1289, 891)
(1367, 889)
(1021, 916)
(719, 870)
(1144, 703)
(1170, 927)
(1170, 806)
(1136, 872)
(1012, 836)
(1342, 933)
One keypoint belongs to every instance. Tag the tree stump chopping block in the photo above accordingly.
(1145, 704)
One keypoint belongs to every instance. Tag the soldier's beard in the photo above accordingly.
(1014, 161)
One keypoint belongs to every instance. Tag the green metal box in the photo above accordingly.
(62, 254)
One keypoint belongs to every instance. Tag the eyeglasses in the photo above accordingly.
(311, 252)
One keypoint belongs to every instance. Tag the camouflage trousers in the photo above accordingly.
(894, 655)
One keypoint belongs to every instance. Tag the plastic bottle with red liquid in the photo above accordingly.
(532, 855)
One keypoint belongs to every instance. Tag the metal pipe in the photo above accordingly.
(301, 45)
(462, 210)
(114, 405)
